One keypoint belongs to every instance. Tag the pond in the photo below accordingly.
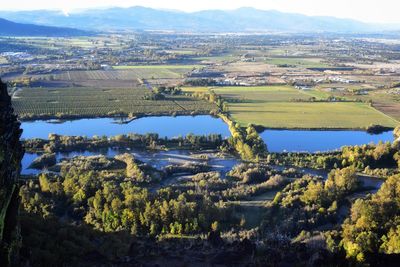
(318, 141)
(163, 125)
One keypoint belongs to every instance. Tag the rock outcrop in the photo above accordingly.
(11, 153)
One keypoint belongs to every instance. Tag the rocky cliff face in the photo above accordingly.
(11, 153)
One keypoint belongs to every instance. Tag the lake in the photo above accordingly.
(318, 141)
(163, 125)
(167, 126)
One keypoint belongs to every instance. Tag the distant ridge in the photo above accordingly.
(239, 20)
(9, 28)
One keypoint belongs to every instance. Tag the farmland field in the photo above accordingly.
(185, 67)
(81, 42)
(384, 100)
(271, 107)
(156, 71)
(121, 74)
(298, 62)
(182, 52)
(262, 93)
(92, 102)
(309, 115)
(216, 58)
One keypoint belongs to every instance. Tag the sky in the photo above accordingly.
(376, 11)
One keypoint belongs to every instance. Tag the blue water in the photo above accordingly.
(318, 141)
(163, 125)
(156, 159)
(276, 140)
(30, 157)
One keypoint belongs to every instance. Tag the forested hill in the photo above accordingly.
(9, 28)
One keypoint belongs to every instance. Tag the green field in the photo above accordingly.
(157, 67)
(156, 71)
(182, 52)
(54, 43)
(117, 74)
(217, 59)
(92, 102)
(260, 93)
(272, 107)
(383, 100)
(298, 62)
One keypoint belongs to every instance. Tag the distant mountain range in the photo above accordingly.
(239, 20)
(9, 28)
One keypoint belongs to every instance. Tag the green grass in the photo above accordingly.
(344, 115)
(272, 107)
(317, 94)
(382, 100)
(92, 102)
